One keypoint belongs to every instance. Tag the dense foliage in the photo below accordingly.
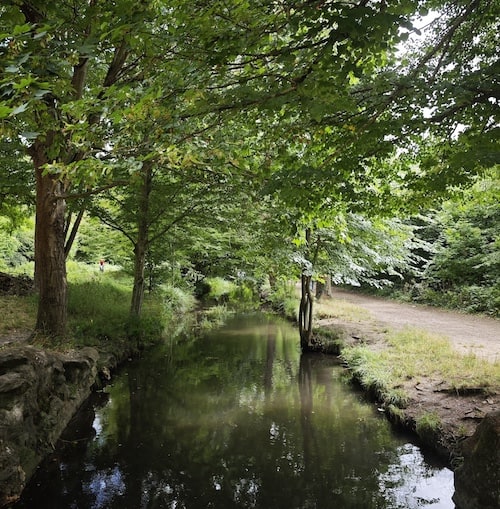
(464, 269)
(255, 141)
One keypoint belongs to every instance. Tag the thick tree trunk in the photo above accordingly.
(50, 266)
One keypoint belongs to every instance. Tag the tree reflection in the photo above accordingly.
(236, 419)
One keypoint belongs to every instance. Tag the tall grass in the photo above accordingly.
(285, 299)
(98, 310)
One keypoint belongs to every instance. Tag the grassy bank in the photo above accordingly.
(98, 311)
(418, 378)
(408, 356)
(412, 354)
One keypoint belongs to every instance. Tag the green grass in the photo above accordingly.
(428, 424)
(285, 299)
(18, 314)
(412, 355)
(97, 310)
(337, 308)
(415, 352)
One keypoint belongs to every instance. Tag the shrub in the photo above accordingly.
(220, 289)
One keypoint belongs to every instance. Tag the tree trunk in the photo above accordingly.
(50, 266)
(320, 288)
(328, 286)
(74, 231)
(142, 242)
(306, 300)
(138, 288)
(305, 313)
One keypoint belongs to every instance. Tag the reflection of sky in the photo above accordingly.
(104, 486)
(412, 484)
(97, 425)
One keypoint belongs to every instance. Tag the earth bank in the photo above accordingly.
(467, 434)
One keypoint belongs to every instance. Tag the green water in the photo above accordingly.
(236, 419)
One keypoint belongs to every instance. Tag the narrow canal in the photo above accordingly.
(236, 419)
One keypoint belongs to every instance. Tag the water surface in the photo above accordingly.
(236, 419)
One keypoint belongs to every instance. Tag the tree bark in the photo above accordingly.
(306, 300)
(320, 288)
(142, 242)
(50, 266)
(328, 286)
(305, 313)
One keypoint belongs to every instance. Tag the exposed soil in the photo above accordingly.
(459, 413)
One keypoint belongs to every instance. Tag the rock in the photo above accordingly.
(39, 393)
(477, 481)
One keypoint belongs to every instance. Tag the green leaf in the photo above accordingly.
(40, 93)
(21, 29)
(19, 109)
(29, 135)
(5, 111)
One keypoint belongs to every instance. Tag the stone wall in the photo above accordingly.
(39, 393)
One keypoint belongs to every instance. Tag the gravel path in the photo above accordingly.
(479, 335)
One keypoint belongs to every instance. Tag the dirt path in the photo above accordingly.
(468, 333)
(367, 320)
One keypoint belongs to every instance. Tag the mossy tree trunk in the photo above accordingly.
(307, 298)
(306, 313)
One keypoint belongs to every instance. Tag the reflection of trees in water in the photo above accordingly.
(306, 408)
(225, 424)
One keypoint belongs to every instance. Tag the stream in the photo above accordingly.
(236, 418)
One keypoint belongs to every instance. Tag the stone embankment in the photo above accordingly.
(40, 392)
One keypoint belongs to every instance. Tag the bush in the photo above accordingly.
(283, 298)
(220, 289)
(472, 298)
(176, 300)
